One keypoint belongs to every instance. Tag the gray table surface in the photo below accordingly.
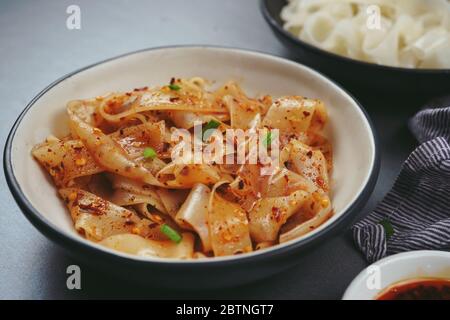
(36, 48)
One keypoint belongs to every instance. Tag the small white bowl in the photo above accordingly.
(355, 171)
(396, 268)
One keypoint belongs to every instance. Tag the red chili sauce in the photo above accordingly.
(417, 289)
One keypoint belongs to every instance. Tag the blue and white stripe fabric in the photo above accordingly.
(415, 214)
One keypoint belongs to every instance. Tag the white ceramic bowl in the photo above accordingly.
(355, 157)
(395, 268)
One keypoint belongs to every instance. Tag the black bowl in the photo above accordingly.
(205, 273)
(354, 73)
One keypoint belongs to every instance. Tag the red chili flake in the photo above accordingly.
(306, 113)
(140, 89)
(184, 171)
(320, 181)
(309, 153)
(165, 146)
(276, 214)
(96, 207)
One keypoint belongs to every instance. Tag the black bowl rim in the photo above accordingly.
(288, 36)
(46, 228)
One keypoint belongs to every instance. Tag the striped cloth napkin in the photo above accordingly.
(415, 214)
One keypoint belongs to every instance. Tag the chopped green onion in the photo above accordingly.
(212, 124)
(388, 228)
(268, 139)
(149, 153)
(171, 233)
(174, 87)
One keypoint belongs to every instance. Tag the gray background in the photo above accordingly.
(36, 48)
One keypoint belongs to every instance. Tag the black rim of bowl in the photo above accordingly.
(61, 238)
(272, 21)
